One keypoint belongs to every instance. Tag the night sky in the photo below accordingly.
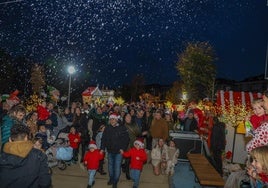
(110, 41)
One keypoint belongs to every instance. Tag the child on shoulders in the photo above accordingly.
(258, 116)
(42, 111)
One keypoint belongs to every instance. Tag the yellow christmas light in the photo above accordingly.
(119, 100)
(168, 104)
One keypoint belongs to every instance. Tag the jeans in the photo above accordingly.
(135, 175)
(114, 166)
(75, 154)
(91, 176)
(84, 147)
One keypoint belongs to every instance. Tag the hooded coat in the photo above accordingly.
(23, 166)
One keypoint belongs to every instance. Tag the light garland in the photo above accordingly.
(233, 114)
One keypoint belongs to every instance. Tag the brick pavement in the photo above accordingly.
(75, 176)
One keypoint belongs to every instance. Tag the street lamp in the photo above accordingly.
(184, 96)
(71, 70)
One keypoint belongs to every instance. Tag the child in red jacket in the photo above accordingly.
(43, 113)
(138, 157)
(74, 140)
(92, 160)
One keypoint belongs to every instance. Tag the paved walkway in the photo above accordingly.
(75, 176)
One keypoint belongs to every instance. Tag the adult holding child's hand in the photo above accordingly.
(114, 139)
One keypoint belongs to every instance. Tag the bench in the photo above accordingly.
(205, 173)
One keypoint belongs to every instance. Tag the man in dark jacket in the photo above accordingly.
(218, 142)
(21, 165)
(190, 124)
(115, 137)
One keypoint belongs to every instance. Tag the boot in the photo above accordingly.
(115, 185)
(109, 182)
(89, 186)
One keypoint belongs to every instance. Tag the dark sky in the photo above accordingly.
(110, 41)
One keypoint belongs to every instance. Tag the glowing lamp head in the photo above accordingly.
(71, 69)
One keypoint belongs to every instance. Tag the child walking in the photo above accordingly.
(138, 157)
(91, 160)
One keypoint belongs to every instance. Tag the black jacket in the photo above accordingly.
(80, 123)
(115, 138)
(218, 136)
(193, 125)
(30, 171)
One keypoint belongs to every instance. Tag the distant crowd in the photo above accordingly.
(128, 136)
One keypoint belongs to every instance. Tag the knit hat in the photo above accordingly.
(139, 141)
(114, 116)
(92, 144)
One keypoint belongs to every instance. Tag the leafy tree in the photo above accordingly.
(174, 94)
(197, 69)
(37, 78)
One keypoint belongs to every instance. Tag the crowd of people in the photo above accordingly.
(128, 136)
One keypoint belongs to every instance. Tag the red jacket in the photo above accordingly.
(93, 159)
(264, 177)
(256, 121)
(200, 116)
(42, 112)
(133, 153)
(72, 137)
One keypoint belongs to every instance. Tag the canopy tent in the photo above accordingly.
(236, 105)
(225, 98)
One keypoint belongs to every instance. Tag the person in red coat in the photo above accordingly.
(92, 161)
(74, 140)
(138, 157)
(43, 113)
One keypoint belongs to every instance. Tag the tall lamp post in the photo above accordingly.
(71, 70)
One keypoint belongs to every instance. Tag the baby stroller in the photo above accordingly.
(59, 154)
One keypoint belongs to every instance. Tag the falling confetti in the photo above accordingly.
(125, 38)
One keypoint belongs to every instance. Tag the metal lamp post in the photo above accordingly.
(71, 70)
